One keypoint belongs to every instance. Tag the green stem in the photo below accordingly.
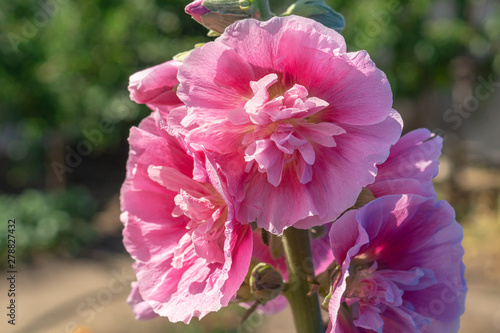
(305, 305)
(264, 9)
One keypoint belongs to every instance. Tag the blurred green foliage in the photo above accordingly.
(55, 222)
(415, 41)
(65, 67)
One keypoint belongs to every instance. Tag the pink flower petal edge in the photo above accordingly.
(411, 166)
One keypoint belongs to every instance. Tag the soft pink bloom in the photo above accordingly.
(295, 124)
(411, 166)
(191, 255)
(154, 86)
(196, 10)
(401, 267)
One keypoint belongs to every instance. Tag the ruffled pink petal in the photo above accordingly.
(355, 97)
(410, 167)
(346, 238)
(308, 51)
(278, 38)
(221, 85)
(334, 176)
(199, 288)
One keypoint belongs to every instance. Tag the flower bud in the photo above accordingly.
(196, 10)
(216, 15)
(156, 86)
(319, 11)
(266, 283)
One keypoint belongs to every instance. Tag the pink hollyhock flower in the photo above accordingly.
(295, 123)
(400, 267)
(191, 255)
(154, 86)
(410, 167)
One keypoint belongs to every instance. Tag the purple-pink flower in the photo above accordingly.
(411, 166)
(295, 124)
(400, 267)
(191, 255)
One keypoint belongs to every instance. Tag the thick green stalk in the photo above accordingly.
(305, 305)
(264, 9)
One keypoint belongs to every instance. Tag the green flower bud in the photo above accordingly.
(266, 283)
(319, 11)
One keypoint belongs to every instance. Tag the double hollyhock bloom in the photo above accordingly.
(401, 267)
(191, 255)
(275, 123)
(295, 124)
(399, 258)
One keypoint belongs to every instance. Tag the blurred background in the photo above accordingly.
(65, 116)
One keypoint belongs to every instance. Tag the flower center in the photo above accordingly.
(371, 290)
(362, 285)
(205, 209)
(207, 214)
(283, 131)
